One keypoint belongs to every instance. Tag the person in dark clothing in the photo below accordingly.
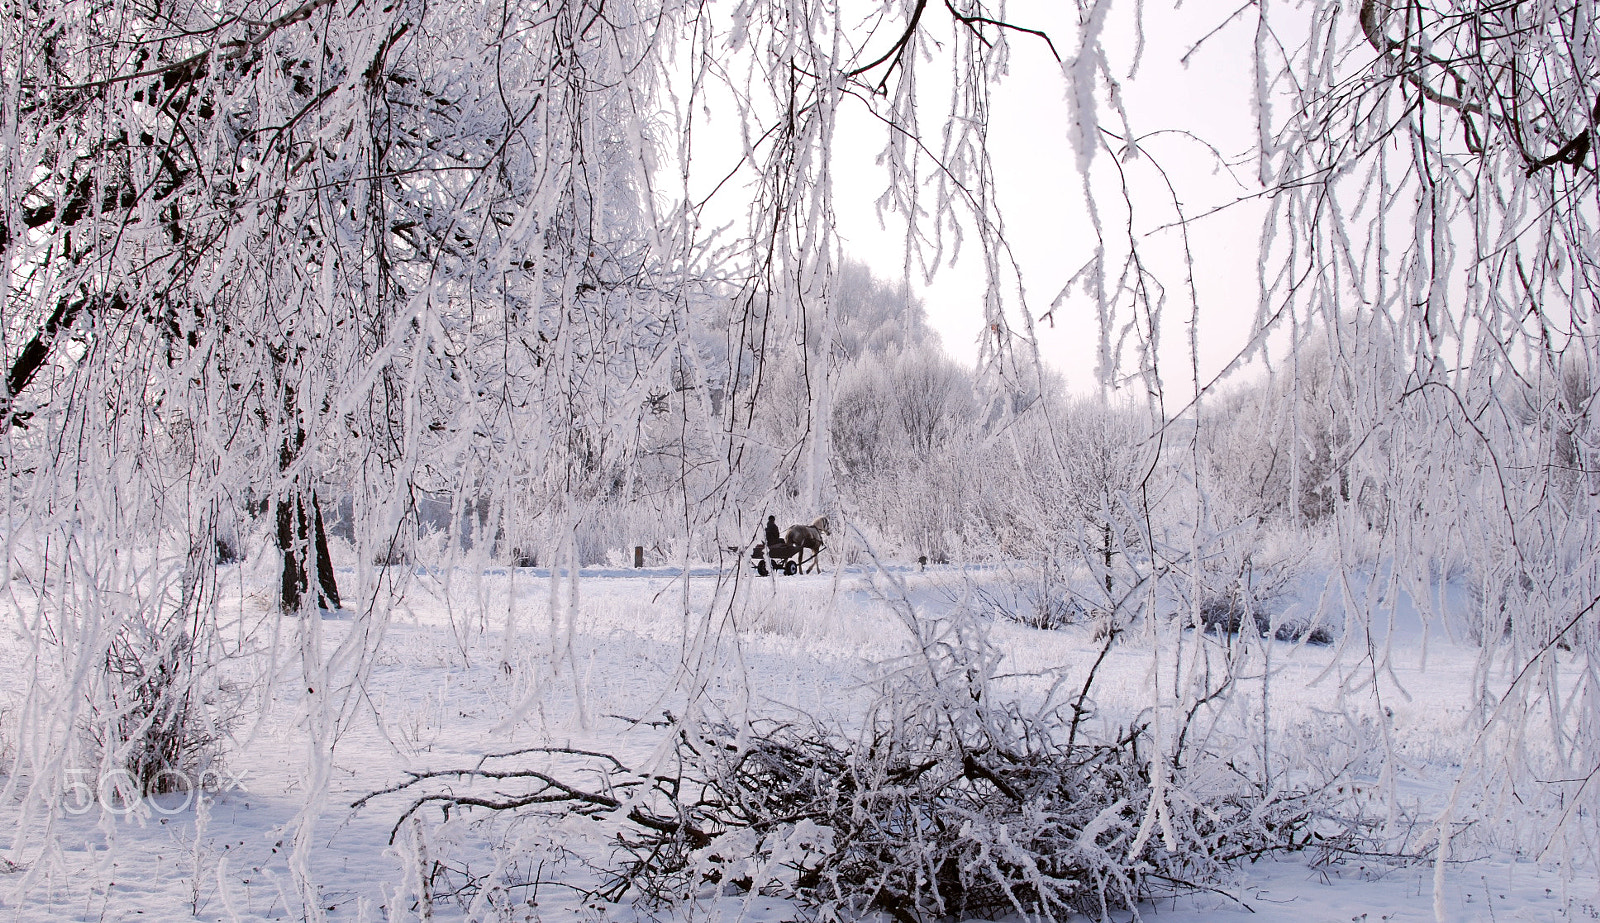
(772, 553)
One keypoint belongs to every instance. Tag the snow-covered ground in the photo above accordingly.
(448, 685)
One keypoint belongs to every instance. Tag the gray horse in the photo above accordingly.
(807, 538)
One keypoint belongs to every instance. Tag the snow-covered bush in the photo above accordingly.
(1241, 586)
(947, 797)
(1040, 596)
(157, 735)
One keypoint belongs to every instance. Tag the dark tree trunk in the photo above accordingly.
(325, 581)
(302, 539)
(1105, 535)
(299, 538)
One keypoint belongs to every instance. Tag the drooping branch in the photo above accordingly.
(1374, 13)
(973, 22)
(197, 66)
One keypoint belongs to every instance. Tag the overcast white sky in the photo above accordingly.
(1041, 192)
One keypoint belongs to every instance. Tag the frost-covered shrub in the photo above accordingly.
(1242, 585)
(913, 820)
(1301, 630)
(396, 553)
(158, 733)
(1040, 598)
(227, 550)
(1229, 614)
(947, 798)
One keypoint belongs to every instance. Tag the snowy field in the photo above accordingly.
(465, 668)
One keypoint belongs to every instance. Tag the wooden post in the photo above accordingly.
(638, 555)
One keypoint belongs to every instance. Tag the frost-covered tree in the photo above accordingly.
(1432, 196)
(905, 428)
(261, 256)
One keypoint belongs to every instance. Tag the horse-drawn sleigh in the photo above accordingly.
(787, 555)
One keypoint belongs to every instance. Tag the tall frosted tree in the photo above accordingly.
(1434, 205)
(263, 255)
